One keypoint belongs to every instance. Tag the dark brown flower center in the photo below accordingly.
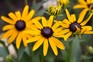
(73, 26)
(46, 32)
(90, 6)
(20, 25)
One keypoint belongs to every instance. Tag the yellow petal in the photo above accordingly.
(86, 28)
(12, 16)
(18, 15)
(37, 23)
(8, 33)
(7, 27)
(30, 15)
(32, 32)
(73, 17)
(82, 2)
(7, 20)
(12, 37)
(62, 32)
(67, 36)
(50, 21)
(33, 39)
(24, 39)
(56, 25)
(82, 15)
(53, 46)
(18, 40)
(38, 44)
(83, 23)
(44, 22)
(65, 25)
(80, 6)
(45, 47)
(66, 21)
(57, 30)
(58, 43)
(68, 16)
(25, 12)
(88, 32)
(89, 1)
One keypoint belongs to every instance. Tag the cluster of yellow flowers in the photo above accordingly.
(23, 27)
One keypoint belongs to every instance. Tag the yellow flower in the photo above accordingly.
(71, 26)
(63, 2)
(87, 5)
(54, 10)
(17, 24)
(46, 33)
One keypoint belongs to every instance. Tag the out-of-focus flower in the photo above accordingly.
(44, 34)
(18, 24)
(63, 2)
(90, 49)
(71, 26)
(48, 3)
(86, 4)
(54, 10)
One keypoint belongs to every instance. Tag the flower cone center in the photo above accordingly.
(20, 25)
(46, 32)
(73, 26)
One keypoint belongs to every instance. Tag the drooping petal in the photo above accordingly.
(45, 47)
(25, 12)
(67, 36)
(86, 28)
(53, 46)
(12, 37)
(82, 15)
(24, 39)
(44, 21)
(30, 15)
(18, 15)
(50, 21)
(58, 43)
(7, 20)
(12, 16)
(8, 33)
(18, 40)
(38, 44)
(7, 27)
(83, 23)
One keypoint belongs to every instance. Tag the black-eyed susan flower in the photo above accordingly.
(17, 23)
(54, 10)
(73, 26)
(87, 5)
(45, 34)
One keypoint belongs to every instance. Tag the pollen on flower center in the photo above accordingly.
(90, 5)
(20, 25)
(73, 26)
(47, 32)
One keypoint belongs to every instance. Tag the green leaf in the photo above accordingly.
(3, 52)
(76, 50)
